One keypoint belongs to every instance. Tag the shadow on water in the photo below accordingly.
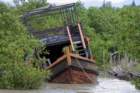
(106, 85)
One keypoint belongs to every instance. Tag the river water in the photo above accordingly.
(106, 85)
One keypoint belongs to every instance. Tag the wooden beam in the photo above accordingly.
(82, 58)
(59, 60)
(70, 38)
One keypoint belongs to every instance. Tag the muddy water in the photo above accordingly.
(106, 85)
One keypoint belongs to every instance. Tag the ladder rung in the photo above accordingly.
(79, 45)
(81, 50)
(82, 54)
(77, 42)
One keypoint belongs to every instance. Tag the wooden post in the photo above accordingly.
(67, 52)
(90, 55)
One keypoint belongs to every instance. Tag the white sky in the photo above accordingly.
(68, 1)
(88, 3)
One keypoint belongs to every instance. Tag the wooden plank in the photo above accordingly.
(70, 38)
(82, 58)
(57, 61)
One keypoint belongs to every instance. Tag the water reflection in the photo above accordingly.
(105, 85)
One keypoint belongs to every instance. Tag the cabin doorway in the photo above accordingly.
(55, 51)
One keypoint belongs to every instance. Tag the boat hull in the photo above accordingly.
(79, 71)
(74, 75)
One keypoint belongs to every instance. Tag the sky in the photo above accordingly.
(88, 3)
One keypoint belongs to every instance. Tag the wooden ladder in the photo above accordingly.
(78, 46)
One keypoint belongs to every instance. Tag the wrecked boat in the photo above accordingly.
(69, 56)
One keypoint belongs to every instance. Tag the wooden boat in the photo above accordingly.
(70, 59)
(74, 69)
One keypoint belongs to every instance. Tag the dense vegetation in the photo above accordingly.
(15, 44)
(110, 30)
(113, 30)
(136, 81)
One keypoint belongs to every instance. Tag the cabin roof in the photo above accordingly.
(48, 9)
(57, 39)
